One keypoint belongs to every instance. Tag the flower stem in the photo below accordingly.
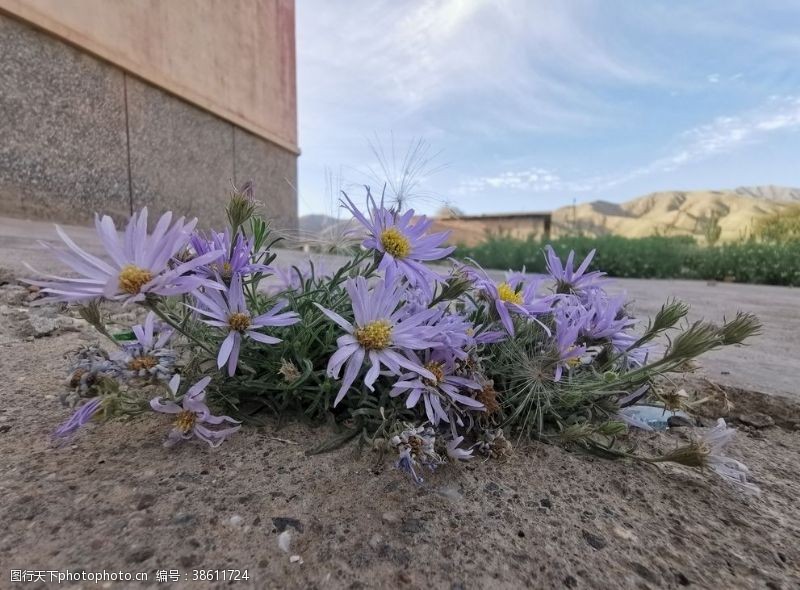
(154, 308)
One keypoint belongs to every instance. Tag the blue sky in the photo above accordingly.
(528, 104)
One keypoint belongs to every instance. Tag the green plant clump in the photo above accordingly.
(656, 257)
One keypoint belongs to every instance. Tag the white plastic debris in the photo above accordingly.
(284, 540)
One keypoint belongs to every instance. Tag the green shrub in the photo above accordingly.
(780, 227)
(656, 257)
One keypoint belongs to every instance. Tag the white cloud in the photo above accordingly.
(524, 64)
(490, 82)
(722, 135)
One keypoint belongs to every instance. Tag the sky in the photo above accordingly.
(527, 105)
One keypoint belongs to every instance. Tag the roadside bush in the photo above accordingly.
(655, 257)
(780, 227)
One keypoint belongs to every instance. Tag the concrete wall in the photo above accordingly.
(79, 135)
(233, 58)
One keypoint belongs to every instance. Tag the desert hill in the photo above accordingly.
(676, 213)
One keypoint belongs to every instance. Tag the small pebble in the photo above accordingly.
(236, 520)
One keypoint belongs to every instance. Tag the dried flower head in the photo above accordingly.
(415, 447)
(289, 371)
(488, 397)
(494, 445)
(706, 451)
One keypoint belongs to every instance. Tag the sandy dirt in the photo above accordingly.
(115, 499)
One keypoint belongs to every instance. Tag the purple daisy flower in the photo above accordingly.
(453, 335)
(81, 416)
(382, 332)
(569, 323)
(517, 296)
(606, 320)
(569, 279)
(402, 241)
(227, 310)
(140, 263)
(148, 356)
(192, 416)
(440, 394)
(236, 260)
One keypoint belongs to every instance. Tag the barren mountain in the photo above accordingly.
(677, 213)
(770, 192)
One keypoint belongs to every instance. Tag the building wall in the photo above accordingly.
(79, 134)
(233, 58)
(473, 230)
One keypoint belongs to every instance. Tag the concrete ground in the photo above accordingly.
(769, 364)
(114, 499)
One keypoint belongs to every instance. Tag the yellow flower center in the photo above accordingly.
(132, 278)
(574, 361)
(185, 420)
(142, 362)
(239, 321)
(225, 269)
(438, 374)
(375, 335)
(395, 243)
(508, 294)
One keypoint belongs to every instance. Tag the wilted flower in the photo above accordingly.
(148, 357)
(228, 311)
(89, 368)
(568, 279)
(193, 415)
(415, 447)
(455, 453)
(494, 444)
(707, 451)
(289, 371)
(402, 241)
(381, 333)
(140, 263)
(487, 396)
(81, 416)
